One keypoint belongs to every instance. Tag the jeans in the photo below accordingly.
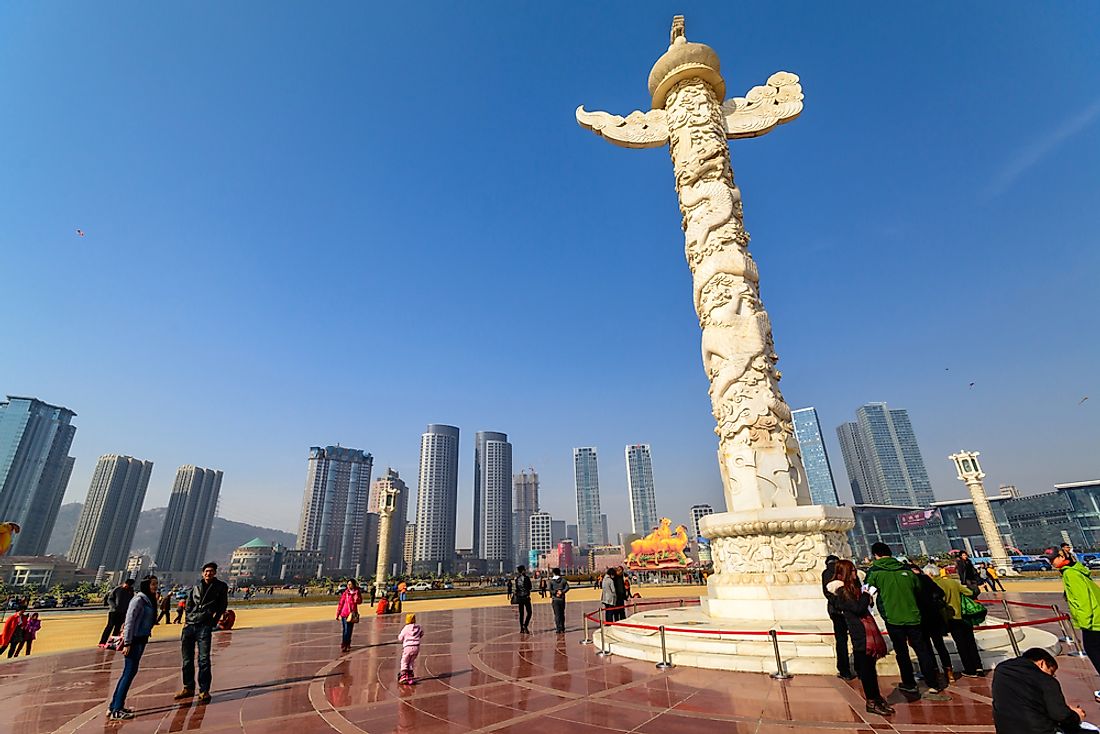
(963, 635)
(840, 634)
(1090, 640)
(114, 626)
(348, 627)
(868, 675)
(129, 670)
(524, 604)
(196, 635)
(558, 603)
(900, 636)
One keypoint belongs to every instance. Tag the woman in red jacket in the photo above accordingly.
(347, 611)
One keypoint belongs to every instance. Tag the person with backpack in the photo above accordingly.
(854, 605)
(933, 619)
(140, 617)
(962, 631)
(118, 601)
(522, 592)
(897, 603)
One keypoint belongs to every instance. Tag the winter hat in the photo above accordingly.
(410, 618)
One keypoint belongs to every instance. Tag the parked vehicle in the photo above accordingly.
(422, 586)
(1039, 564)
(1093, 563)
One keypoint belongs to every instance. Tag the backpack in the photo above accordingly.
(973, 612)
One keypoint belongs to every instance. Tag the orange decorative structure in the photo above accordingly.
(8, 531)
(663, 548)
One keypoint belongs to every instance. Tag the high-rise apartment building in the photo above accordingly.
(559, 531)
(819, 473)
(698, 512)
(587, 481)
(191, 511)
(409, 551)
(639, 480)
(436, 500)
(110, 513)
(493, 500)
(540, 528)
(391, 480)
(334, 508)
(525, 503)
(34, 468)
(883, 460)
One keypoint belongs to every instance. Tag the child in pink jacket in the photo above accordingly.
(409, 637)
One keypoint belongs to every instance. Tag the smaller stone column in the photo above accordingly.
(386, 505)
(970, 473)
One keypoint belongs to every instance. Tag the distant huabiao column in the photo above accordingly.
(771, 535)
(970, 473)
(387, 503)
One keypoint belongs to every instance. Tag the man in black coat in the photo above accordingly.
(118, 601)
(206, 603)
(523, 598)
(968, 575)
(840, 627)
(1027, 698)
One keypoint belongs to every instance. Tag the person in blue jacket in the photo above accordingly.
(141, 615)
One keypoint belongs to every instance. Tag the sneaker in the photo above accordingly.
(185, 693)
(935, 695)
(204, 697)
(120, 715)
(1096, 696)
(976, 674)
(911, 690)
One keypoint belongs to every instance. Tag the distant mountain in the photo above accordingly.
(225, 535)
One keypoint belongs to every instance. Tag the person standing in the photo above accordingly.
(118, 601)
(165, 608)
(181, 607)
(206, 603)
(1083, 597)
(523, 598)
(995, 579)
(409, 637)
(373, 594)
(619, 578)
(1027, 698)
(30, 631)
(558, 588)
(402, 590)
(932, 604)
(961, 630)
(968, 575)
(897, 603)
(607, 595)
(542, 587)
(854, 606)
(836, 616)
(347, 611)
(11, 635)
(138, 624)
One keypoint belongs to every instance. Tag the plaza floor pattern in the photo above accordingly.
(476, 674)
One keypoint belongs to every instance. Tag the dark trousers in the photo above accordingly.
(129, 670)
(179, 615)
(963, 635)
(166, 615)
(347, 627)
(558, 603)
(523, 603)
(14, 643)
(196, 635)
(840, 634)
(936, 641)
(114, 626)
(868, 675)
(1090, 640)
(19, 646)
(902, 636)
(994, 583)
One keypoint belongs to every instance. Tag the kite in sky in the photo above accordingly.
(80, 233)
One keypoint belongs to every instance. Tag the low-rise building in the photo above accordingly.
(257, 560)
(301, 565)
(44, 571)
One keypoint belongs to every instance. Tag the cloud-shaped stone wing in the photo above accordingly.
(636, 130)
(777, 102)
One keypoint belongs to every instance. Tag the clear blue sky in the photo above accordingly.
(309, 224)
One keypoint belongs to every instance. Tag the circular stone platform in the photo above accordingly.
(477, 674)
(692, 638)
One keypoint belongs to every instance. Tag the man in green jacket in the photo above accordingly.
(961, 631)
(1083, 596)
(897, 603)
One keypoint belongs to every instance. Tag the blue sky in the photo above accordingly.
(317, 224)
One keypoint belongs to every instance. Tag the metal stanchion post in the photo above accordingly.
(587, 638)
(779, 673)
(635, 606)
(665, 662)
(1012, 639)
(1066, 636)
(603, 652)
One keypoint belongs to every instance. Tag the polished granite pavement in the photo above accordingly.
(476, 674)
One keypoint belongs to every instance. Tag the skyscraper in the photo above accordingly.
(493, 500)
(540, 532)
(639, 480)
(882, 458)
(410, 548)
(436, 500)
(525, 503)
(191, 511)
(34, 468)
(698, 512)
(587, 481)
(391, 479)
(110, 513)
(334, 508)
(819, 474)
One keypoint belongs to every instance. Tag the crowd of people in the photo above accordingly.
(19, 632)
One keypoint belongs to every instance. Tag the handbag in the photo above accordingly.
(513, 599)
(353, 618)
(876, 645)
(973, 613)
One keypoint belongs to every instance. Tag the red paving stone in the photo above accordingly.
(476, 674)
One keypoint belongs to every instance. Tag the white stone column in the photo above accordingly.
(387, 503)
(971, 474)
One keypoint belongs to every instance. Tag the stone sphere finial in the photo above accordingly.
(684, 60)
